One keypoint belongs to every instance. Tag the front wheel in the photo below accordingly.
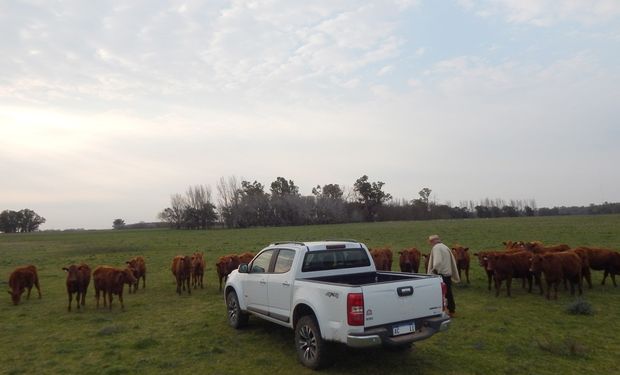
(311, 349)
(236, 318)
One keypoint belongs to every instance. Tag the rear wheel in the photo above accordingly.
(236, 317)
(312, 350)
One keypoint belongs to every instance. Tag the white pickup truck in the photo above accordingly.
(330, 291)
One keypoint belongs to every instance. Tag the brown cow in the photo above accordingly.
(537, 247)
(409, 260)
(505, 266)
(78, 278)
(225, 265)
(585, 264)
(198, 268)
(603, 260)
(246, 257)
(483, 259)
(23, 278)
(182, 271)
(110, 281)
(557, 267)
(514, 245)
(382, 258)
(138, 266)
(461, 255)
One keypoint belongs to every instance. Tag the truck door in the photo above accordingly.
(280, 286)
(255, 284)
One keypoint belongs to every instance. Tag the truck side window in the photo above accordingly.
(261, 262)
(284, 261)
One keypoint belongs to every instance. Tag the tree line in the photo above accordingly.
(25, 220)
(242, 204)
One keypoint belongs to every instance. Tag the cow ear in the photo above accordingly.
(400, 252)
(465, 249)
(127, 262)
(65, 269)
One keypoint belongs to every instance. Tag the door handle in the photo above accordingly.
(286, 284)
(263, 282)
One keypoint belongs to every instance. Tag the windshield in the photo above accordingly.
(335, 259)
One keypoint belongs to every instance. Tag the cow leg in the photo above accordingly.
(144, 281)
(539, 282)
(555, 289)
(489, 276)
(467, 274)
(109, 300)
(588, 276)
(120, 298)
(548, 290)
(106, 295)
(201, 280)
(97, 297)
(529, 283)
(29, 289)
(613, 278)
(221, 284)
(189, 290)
(36, 284)
(498, 285)
(604, 277)
(70, 298)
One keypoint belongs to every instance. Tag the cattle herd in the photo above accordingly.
(529, 261)
(532, 262)
(188, 272)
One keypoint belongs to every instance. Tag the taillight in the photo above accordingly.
(444, 290)
(355, 309)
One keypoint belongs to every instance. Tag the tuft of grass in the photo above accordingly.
(568, 347)
(580, 307)
(145, 343)
(110, 330)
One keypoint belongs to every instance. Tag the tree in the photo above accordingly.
(282, 187)
(25, 220)
(118, 224)
(370, 196)
(229, 198)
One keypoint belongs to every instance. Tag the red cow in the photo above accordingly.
(198, 268)
(23, 278)
(225, 265)
(483, 259)
(382, 258)
(505, 266)
(182, 271)
(585, 264)
(110, 281)
(138, 266)
(246, 257)
(557, 267)
(78, 278)
(514, 245)
(461, 255)
(603, 260)
(409, 260)
(537, 247)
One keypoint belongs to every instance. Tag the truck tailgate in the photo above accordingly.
(400, 301)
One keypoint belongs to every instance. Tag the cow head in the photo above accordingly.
(16, 295)
(72, 273)
(460, 252)
(535, 263)
(126, 276)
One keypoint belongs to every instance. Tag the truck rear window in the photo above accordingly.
(334, 259)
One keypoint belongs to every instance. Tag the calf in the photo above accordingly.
(182, 270)
(23, 278)
(505, 266)
(198, 268)
(109, 281)
(225, 265)
(78, 278)
(409, 260)
(557, 267)
(138, 266)
(461, 255)
(382, 258)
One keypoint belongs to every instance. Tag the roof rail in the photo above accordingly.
(285, 242)
(341, 240)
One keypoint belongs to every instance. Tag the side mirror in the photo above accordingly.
(243, 268)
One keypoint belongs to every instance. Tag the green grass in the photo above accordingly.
(161, 332)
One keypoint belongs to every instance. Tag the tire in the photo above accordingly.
(312, 350)
(236, 318)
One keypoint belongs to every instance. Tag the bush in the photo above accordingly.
(580, 307)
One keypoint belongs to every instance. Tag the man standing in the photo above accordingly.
(441, 262)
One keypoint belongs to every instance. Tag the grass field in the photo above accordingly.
(160, 332)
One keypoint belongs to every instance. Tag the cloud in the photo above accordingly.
(545, 13)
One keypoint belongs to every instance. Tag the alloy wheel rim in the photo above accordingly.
(307, 343)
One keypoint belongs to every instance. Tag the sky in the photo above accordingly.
(108, 108)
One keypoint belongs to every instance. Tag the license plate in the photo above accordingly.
(403, 329)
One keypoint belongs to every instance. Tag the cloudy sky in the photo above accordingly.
(108, 108)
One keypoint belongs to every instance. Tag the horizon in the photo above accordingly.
(107, 110)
